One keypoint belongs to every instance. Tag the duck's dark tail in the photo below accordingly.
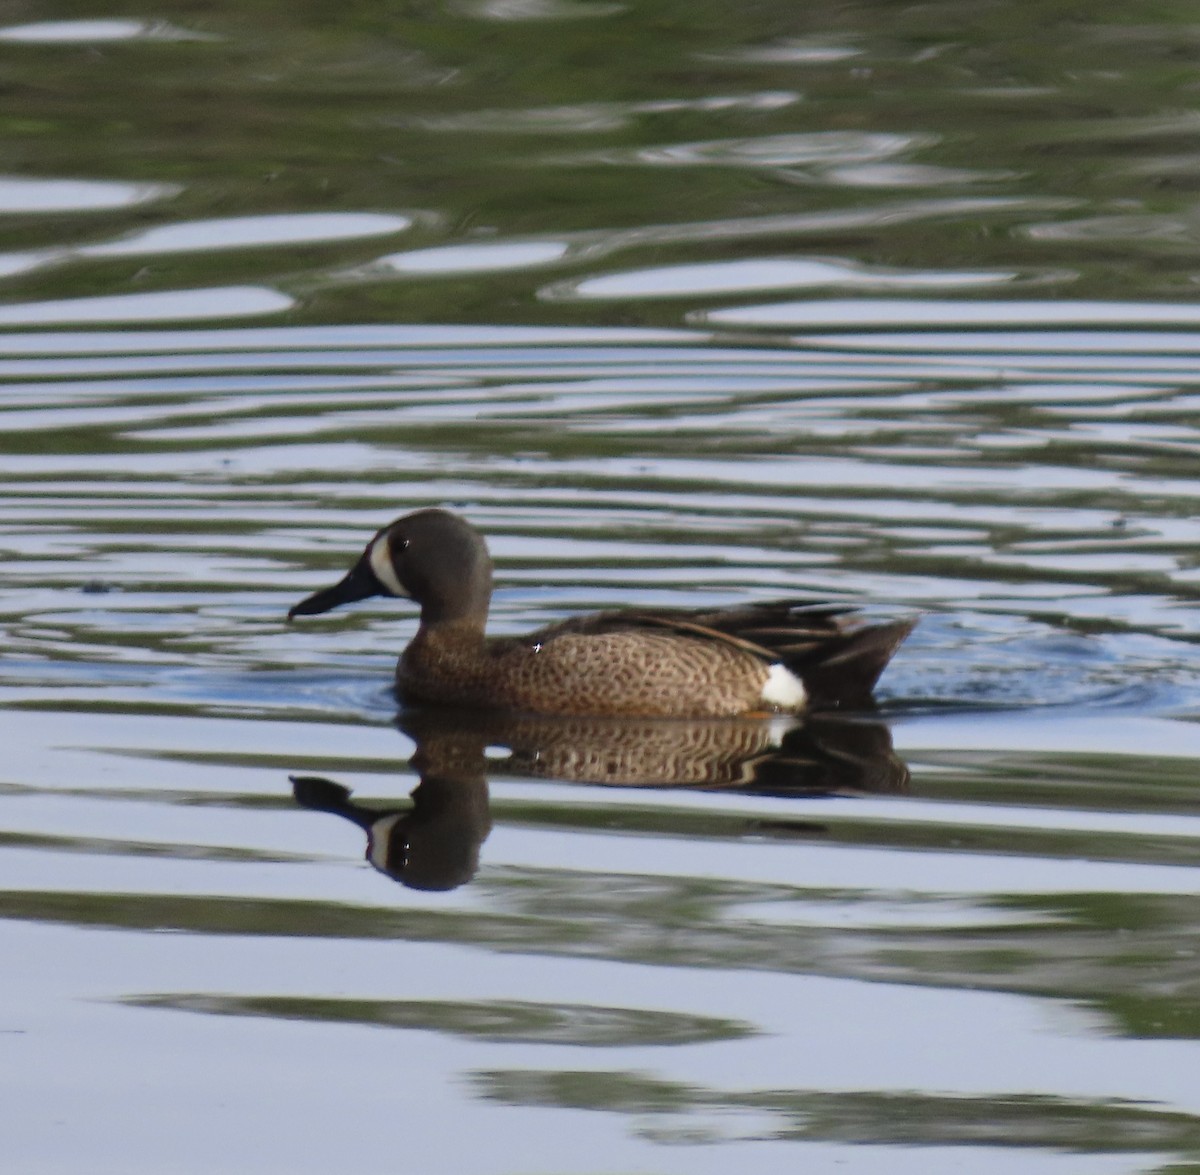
(842, 669)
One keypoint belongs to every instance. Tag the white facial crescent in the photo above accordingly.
(380, 559)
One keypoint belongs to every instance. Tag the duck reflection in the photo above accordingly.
(433, 842)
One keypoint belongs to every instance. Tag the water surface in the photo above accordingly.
(682, 305)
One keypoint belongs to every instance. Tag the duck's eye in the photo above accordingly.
(402, 545)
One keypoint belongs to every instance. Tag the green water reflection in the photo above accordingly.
(663, 1110)
(1025, 139)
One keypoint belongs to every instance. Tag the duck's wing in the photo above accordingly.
(767, 629)
(837, 655)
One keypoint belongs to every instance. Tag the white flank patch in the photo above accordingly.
(783, 689)
(381, 564)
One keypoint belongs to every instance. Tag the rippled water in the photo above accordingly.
(682, 306)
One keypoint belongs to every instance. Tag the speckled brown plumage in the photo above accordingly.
(652, 663)
(649, 673)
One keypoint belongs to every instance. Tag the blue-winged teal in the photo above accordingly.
(781, 656)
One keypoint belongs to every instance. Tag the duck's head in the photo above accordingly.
(431, 556)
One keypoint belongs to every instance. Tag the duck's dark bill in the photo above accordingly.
(359, 584)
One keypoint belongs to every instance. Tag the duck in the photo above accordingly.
(782, 656)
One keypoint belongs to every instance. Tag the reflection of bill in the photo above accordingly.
(433, 843)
